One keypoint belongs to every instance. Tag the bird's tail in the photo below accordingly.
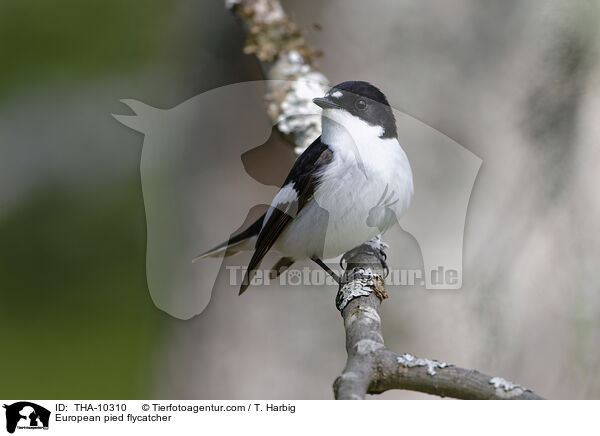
(240, 242)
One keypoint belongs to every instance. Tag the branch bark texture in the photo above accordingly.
(372, 369)
(288, 65)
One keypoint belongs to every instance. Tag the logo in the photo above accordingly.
(189, 149)
(26, 415)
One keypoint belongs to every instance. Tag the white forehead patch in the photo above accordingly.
(336, 94)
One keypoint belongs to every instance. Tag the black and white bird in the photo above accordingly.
(351, 184)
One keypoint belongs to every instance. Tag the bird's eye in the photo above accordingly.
(361, 104)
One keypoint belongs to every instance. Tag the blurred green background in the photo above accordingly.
(67, 40)
(76, 319)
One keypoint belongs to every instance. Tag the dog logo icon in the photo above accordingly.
(26, 415)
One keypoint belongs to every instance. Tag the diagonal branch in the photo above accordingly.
(288, 65)
(372, 369)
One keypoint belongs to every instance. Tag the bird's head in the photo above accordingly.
(357, 102)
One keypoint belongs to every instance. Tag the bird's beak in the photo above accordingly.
(325, 103)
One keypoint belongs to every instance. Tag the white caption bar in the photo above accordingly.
(23, 417)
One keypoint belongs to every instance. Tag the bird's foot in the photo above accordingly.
(376, 247)
(379, 247)
(380, 254)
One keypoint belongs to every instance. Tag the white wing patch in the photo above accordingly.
(286, 196)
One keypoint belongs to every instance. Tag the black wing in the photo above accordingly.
(303, 180)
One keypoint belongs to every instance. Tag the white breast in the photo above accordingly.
(365, 188)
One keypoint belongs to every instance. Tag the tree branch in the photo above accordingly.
(372, 369)
(287, 64)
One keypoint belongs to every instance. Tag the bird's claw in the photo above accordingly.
(378, 251)
(382, 258)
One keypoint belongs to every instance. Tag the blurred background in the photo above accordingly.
(515, 82)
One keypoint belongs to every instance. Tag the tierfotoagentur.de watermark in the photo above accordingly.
(317, 277)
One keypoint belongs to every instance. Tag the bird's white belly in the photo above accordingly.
(356, 199)
(327, 227)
